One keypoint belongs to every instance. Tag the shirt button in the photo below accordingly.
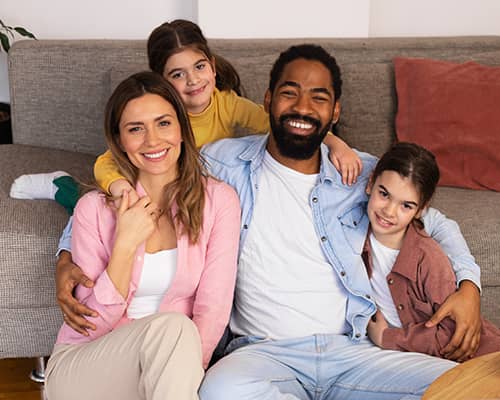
(401, 307)
(368, 296)
(357, 335)
(245, 226)
(323, 238)
(355, 223)
(315, 199)
(342, 273)
(390, 281)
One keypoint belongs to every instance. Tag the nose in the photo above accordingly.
(389, 209)
(152, 136)
(192, 78)
(302, 104)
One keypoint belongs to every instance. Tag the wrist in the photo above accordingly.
(469, 286)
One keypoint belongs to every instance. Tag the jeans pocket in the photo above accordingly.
(242, 341)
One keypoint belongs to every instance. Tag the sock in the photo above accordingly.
(59, 186)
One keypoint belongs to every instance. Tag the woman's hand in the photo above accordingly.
(135, 222)
(376, 327)
(68, 276)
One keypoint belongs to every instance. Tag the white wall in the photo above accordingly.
(434, 17)
(134, 19)
(88, 19)
(284, 18)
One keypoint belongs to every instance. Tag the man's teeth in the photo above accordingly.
(300, 125)
(156, 155)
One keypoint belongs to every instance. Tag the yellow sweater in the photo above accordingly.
(226, 113)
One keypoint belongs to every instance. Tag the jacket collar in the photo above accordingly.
(407, 258)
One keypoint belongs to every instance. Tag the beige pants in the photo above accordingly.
(152, 358)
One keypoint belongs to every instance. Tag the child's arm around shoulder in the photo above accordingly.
(345, 159)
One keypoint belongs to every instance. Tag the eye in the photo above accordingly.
(135, 129)
(383, 193)
(177, 75)
(320, 99)
(164, 123)
(201, 66)
(288, 93)
(408, 207)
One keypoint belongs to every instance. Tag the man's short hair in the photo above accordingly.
(308, 52)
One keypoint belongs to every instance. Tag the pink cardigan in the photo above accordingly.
(204, 282)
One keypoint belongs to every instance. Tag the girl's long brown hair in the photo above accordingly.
(187, 191)
(172, 37)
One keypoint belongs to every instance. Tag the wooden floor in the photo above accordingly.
(15, 383)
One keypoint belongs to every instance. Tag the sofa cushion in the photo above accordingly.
(30, 231)
(452, 110)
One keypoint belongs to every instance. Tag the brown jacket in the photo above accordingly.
(420, 281)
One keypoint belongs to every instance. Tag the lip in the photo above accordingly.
(196, 92)
(383, 222)
(155, 156)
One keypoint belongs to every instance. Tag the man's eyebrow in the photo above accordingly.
(323, 90)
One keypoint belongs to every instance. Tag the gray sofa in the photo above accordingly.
(58, 93)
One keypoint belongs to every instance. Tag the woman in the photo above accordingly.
(164, 268)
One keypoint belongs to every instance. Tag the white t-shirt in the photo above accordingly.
(286, 287)
(157, 275)
(383, 258)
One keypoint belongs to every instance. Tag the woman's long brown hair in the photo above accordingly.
(187, 191)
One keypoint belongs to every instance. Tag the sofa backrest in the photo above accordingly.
(59, 87)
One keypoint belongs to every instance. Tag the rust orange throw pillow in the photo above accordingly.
(454, 111)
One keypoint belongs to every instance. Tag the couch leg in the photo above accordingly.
(38, 374)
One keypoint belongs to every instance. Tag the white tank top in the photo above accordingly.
(157, 275)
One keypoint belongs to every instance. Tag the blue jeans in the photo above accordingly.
(318, 367)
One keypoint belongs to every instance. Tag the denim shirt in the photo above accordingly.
(339, 218)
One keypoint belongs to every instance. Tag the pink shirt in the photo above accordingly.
(421, 280)
(203, 285)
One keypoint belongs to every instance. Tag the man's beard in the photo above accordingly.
(298, 147)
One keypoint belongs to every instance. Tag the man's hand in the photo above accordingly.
(68, 275)
(464, 307)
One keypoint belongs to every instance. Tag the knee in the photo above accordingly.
(175, 323)
(222, 383)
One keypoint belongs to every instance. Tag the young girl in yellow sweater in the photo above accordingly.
(210, 89)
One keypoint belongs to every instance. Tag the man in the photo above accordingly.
(302, 300)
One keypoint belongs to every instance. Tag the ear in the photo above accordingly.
(336, 112)
(369, 185)
(267, 101)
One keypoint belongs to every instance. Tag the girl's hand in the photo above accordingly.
(135, 223)
(120, 186)
(376, 327)
(344, 159)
